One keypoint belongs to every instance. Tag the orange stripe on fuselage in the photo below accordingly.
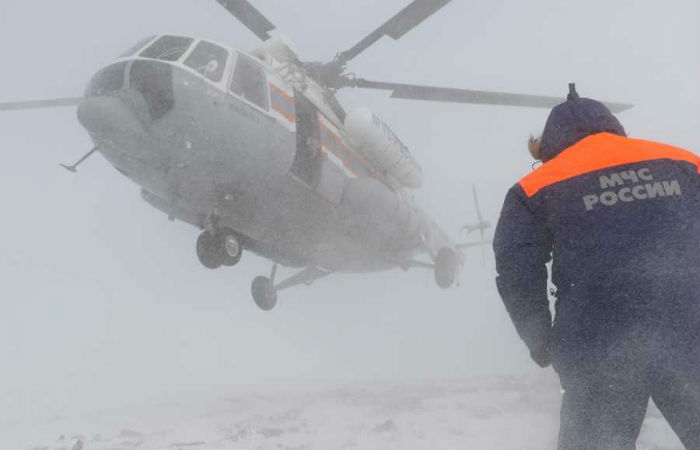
(330, 144)
(286, 114)
(601, 151)
(336, 146)
(281, 93)
(282, 109)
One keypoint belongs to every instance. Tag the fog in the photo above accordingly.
(102, 300)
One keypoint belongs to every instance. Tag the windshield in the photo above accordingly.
(135, 48)
(209, 60)
(167, 48)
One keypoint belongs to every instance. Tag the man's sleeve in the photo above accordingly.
(522, 245)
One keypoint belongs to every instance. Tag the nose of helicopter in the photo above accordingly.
(108, 117)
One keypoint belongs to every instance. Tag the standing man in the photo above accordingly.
(620, 220)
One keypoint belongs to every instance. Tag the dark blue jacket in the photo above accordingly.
(620, 220)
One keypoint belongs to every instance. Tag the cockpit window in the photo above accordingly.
(168, 48)
(209, 60)
(249, 81)
(132, 50)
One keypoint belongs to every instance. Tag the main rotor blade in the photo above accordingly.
(249, 16)
(441, 94)
(36, 104)
(403, 22)
(472, 244)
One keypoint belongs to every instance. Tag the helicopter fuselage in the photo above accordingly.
(213, 151)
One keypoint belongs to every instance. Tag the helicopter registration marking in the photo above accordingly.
(283, 103)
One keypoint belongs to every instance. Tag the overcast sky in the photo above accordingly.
(102, 299)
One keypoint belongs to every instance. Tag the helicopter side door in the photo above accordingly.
(311, 163)
(308, 158)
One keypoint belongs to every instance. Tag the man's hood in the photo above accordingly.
(573, 120)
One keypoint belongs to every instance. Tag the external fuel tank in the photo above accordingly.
(376, 142)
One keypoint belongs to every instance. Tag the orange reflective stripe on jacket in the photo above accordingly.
(601, 151)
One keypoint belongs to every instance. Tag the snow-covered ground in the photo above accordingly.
(506, 412)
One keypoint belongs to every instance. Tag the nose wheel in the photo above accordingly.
(264, 293)
(219, 248)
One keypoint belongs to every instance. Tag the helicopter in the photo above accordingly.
(254, 149)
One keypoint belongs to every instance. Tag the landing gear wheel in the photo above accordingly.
(446, 267)
(264, 293)
(222, 248)
(231, 247)
(209, 250)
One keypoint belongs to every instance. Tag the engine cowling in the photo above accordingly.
(376, 142)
